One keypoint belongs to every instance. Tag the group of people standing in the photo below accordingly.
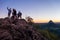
(14, 13)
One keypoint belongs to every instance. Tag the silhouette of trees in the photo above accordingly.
(29, 20)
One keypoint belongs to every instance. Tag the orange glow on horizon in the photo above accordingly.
(44, 20)
(40, 21)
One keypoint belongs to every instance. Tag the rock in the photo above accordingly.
(18, 29)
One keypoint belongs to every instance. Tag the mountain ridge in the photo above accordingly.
(18, 29)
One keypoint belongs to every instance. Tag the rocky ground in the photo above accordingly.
(18, 29)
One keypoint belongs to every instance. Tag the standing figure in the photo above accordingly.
(9, 11)
(14, 14)
(19, 15)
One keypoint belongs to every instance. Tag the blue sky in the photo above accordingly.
(37, 9)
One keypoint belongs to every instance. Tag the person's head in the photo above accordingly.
(19, 12)
(13, 9)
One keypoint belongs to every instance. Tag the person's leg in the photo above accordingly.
(20, 17)
(9, 15)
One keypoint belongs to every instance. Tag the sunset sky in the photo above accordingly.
(39, 10)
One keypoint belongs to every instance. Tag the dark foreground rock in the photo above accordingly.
(18, 29)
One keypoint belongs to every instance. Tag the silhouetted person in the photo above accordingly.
(14, 14)
(19, 15)
(9, 11)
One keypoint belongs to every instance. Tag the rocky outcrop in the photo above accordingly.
(18, 29)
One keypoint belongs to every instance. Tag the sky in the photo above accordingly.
(39, 10)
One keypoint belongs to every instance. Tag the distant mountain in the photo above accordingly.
(49, 25)
(18, 29)
(51, 22)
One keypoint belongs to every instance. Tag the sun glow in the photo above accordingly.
(45, 20)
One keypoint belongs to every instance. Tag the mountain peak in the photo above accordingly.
(18, 29)
(51, 22)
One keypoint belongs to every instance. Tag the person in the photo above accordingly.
(19, 15)
(9, 11)
(14, 14)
